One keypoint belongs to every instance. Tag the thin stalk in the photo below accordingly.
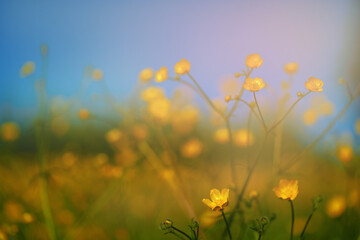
(183, 233)
(260, 235)
(306, 224)
(232, 162)
(288, 111)
(227, 224)
(323, 133)
(261, 116)
(292, 220)
(186, 83)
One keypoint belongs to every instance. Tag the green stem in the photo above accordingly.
(306, 224)
(261, 116)
(183, 233)
(292, 220)
(227, 224)
(260, 235)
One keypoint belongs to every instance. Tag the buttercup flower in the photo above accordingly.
(227, 98)
(253, 84)
(314, 84)
(253, 61)
(219, 200)
(27, 69)
(243, 138)
(97, 74)
(287, 190)
(182, 67)
(161, 75)
(146, 75)
(221, 135)
(291, 68)
(191, 148)
(336, 206)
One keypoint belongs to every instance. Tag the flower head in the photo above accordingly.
(10, 131)
(97, 74)
(287, 190)
(291, 68)
(192, 148)
(253, 61)
(219, 200)
(344, 153)
(27, 69)
(84, 114)
(336, 206)
(253, 84)
(314, 84)
(182, 67)
(161, 75)
(146, 75)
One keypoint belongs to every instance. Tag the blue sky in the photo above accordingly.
(123, 37)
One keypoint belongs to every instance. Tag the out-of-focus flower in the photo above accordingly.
(60, 126)
(253, 84)
(221, 135)
(243, 138)
(152, 93)
(27, 218)
(336, 206)
(10, 131)
(285, 85)
(287, 190)
(182, 67)
(310, 117)
(114, 135)
(27, 69)
(253, 194)
(183, 120)
(69, 159)
(327, 108)
(64, 217)
(253, 61)
(84, 114)
(111, 171)
(227, 98)
(140, 131)
(97, 74)
(161, 75)
(291, 68)
(344, 153)
(219, 200)
(159, 109)
(192, 148)
(13, 211)
(3, 235)
(146, 75)
(357, 126)
(314, 84)
(230, 86)
(100, 159)
(126, 157)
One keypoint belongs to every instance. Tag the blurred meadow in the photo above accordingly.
(179, 120)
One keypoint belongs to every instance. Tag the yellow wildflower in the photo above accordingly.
(152, 93)
(227, 98)
(28, 218)
(140, 132)
(97, 74)
(191, 148)
(159, 109)
(336, 206)
(146, 75)
(291, 68)
(253, 84)
(27, 69)
(253, 194)
(344, 153)
(161, 75)
(314, 84)
(114, 135)
(243, 138)
(219, 200)
(84, 114)
(310, 117)
(10, 131)
(221, 135)
(253, 61)
(237, 75)
(287, 190)
(182, 67)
